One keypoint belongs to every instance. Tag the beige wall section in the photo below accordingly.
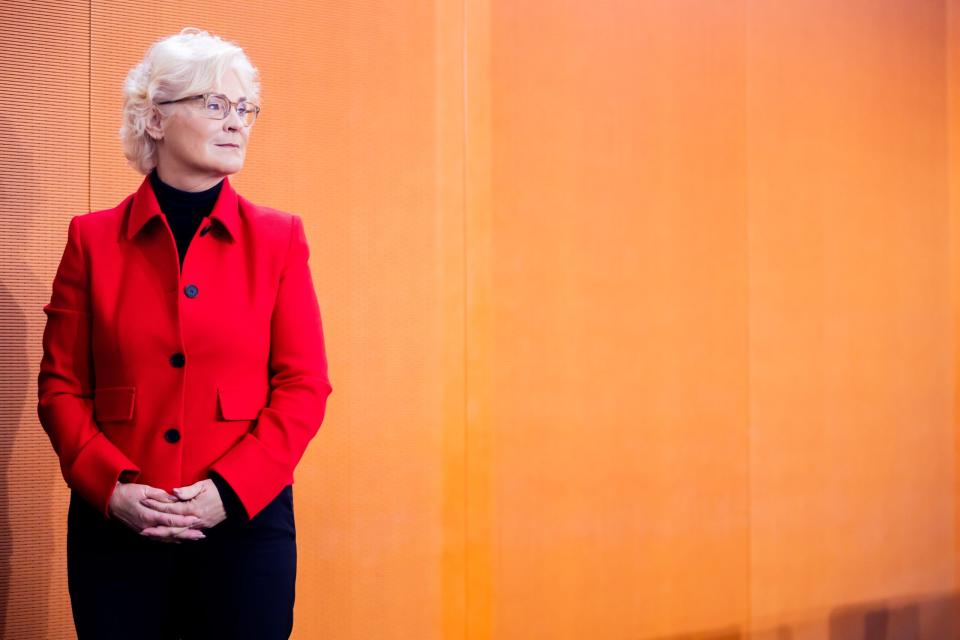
(482, 538)
(953, 119)
(850, 327)
(640, 316)
(618, 319)
(723, 386)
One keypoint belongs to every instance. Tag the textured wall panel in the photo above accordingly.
(44, 180)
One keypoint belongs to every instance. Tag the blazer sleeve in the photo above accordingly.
(261, 464)
(90, 463)
(231, 503)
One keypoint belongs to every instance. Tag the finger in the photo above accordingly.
(154, 517)
(171, 520)
(159, 534)
(161, 513)
(168, 533)
(159, 494)
(178, 508)
(192, 534)
(188, 493)
(157, 531)
(163, 532)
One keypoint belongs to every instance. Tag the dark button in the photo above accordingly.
(191, 290)
(177, 360)
(172, 435)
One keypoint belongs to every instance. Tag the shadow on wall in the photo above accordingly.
(927, 617)
(27, 530)
(14, 403)
(934, 617)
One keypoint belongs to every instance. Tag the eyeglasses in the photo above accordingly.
(217, 106)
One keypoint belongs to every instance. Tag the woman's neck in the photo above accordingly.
(175, 201)
(186, 182)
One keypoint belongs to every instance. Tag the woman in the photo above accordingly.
(181, 388)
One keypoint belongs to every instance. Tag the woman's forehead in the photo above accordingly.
(231, 86)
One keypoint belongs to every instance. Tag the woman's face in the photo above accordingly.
(196, 152)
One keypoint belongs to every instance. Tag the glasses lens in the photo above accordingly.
(217, 107)
(247, 112)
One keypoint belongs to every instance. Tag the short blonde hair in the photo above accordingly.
(180, 65)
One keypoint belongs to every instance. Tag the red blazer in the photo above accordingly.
(168, 375)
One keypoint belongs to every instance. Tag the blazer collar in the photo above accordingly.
(145, 207)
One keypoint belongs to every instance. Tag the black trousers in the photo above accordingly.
(238, 582)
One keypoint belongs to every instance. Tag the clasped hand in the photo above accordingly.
(158, 515)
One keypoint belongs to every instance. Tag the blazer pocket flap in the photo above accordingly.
(113, 403)
(241, 402)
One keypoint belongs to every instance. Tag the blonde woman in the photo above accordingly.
(184, 370)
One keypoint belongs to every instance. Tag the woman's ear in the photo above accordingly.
(154, 125)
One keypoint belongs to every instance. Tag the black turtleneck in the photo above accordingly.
(185, 211)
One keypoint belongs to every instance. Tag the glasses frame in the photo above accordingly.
(226, 113)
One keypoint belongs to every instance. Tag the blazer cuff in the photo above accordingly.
(96, 469)
(231, 503)
(254, 474)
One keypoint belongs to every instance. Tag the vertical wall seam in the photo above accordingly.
(465, 317)
(951, 265)
(749, 310)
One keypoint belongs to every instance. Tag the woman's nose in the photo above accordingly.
(232, 122)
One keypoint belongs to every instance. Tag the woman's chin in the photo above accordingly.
(226, 167)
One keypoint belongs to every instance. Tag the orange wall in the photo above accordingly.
(640, 315)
